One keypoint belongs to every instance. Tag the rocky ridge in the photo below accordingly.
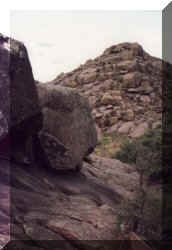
(120, 84)
(41, 207)
(38, 202)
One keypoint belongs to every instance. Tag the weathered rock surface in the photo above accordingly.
(139, 130)
(46, 205)
(74, 206)
(16, 83)
(120, 85)
(19, 104)
(4, 203)
(51, 209)
(4, 87)
(126, 127)
(20, 116)
(3, 125)
(67, 117)
(23, 94)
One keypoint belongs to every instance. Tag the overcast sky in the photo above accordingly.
(59, 41)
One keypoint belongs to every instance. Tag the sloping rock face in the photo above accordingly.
(4, 202)
(120, 85)
(48, 209)
(68, 125)
(73, 208)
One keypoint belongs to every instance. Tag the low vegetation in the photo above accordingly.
(109, 144)
(144, 153)
(143, 215)
(126, 150)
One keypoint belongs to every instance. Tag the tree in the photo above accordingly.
(143, 214)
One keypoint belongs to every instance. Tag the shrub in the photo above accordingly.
(143, 214)
(151, 141)
(127, 152)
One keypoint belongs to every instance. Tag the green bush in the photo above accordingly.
(151, 140)
(143, 214)
(127, 152)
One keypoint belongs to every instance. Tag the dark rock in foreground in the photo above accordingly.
(70, 206)
(20, 117)
(20, 112)
(4, 87)
(34, 184)
(47, 204)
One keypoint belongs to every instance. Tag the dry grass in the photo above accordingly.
(109, 144)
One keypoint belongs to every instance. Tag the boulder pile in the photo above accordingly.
(43, 129)
(124, 88)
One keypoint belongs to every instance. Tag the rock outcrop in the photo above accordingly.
(120, 85)
(4, 87)
(76, 208)
(20, 112)
(20, 116)
(68, 121)
(49, 209)
(24, 102)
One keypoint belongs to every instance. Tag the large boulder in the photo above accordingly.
(88, 76)
(20, 118)
(4, 87)
(20, 112)
(140, 130)
(23, 92)
(126, 127)
(67, 125)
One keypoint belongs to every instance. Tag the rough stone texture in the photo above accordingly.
(4, 203)
(23, 93)
(125, 77)
(67, 207)
(19, 104)
(67, 117)
(87, 76)
(51, 206)
(126, 127)
(131, 241)
(3, 125)
(140, 130)
(4, 87)
(20, 116)
(128, 115)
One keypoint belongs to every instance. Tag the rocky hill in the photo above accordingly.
(124, 88)
(46, 135)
